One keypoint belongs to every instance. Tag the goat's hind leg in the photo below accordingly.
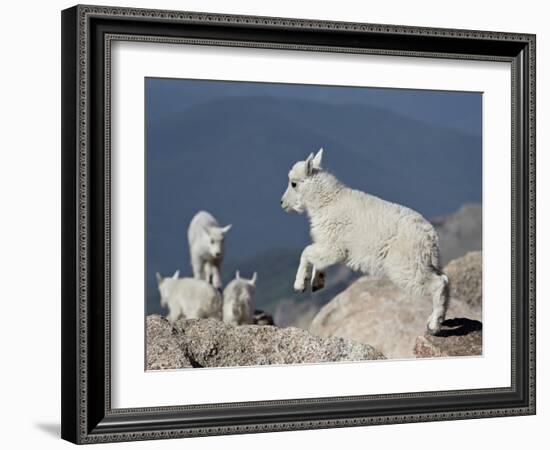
(439, 289)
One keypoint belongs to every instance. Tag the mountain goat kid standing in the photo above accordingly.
(238, 300)
(189, 298)
(206, 247)
(367, 234)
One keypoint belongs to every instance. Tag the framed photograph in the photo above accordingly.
(268, 222)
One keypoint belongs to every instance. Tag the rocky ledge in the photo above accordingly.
(374, 311)
(211, 343)
(458, 337)
(466, 280)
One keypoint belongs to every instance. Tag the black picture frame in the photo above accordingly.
(87, 416)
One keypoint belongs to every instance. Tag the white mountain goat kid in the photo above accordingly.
(189, 298)
(206, 243)
(238, 300)
(367, 234)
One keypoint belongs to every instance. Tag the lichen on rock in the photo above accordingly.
(211, 343)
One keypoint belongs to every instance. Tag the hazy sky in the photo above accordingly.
(459, 110)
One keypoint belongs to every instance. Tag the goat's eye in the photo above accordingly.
(293, 184)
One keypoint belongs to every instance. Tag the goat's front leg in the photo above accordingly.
(316, 258)
(198, 268)
(207, 271)
(173, 315)
(318, 279)
(303, 274)
(215, 277)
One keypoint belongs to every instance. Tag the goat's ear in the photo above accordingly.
(316, 163)
(226, 228)
(254, 278)
(176, 275)
(159, 278)
(237, 275)
(309, 164)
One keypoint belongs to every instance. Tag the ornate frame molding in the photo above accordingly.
(84, 421)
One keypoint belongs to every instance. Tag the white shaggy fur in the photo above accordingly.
(238, 300)
(189, 298)
(367, 234)
(206, 244)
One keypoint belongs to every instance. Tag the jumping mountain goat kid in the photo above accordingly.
(365, 233)
(189, 298)
(238, 300)
(206, 239)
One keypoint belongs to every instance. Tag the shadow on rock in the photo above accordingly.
(458, 337)
(459, 327)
